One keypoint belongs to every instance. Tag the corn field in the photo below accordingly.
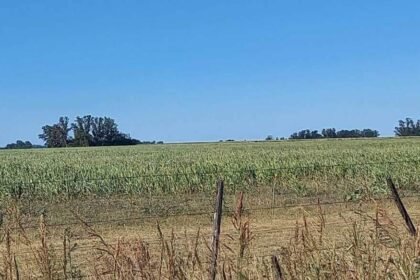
(350, 168)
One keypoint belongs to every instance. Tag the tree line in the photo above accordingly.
(86, 131)
(333, 133)
(22, 145)
(407, 127)
(103, 131)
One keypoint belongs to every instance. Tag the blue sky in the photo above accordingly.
(209, 70)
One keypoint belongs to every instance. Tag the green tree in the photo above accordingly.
(269, 138)
(105, 131)
(306, 134)
(87, 131)
(82, 129)
(56, 135)
(332, 133)
(329, 133)
(20, 145)
(408, 128)
(369, 133)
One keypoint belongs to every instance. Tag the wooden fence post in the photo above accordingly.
(16, 268)
(216, 230)
(410, 226)
(277, 273)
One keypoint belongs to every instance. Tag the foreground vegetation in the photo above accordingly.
(146, 212)
(352, 241)
(350, 168)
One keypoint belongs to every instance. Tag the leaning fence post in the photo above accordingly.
(277, 273)
(400, 205)
(16, 268)
(216, 230)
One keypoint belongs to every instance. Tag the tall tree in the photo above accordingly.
(56, 135)
(82, 129)
(105, 131)
(408, 128)
(65, 126)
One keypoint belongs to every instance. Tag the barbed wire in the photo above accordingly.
(203, 199)
(205, 213)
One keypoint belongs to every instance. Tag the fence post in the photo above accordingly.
(273, 201)
(16, 268)
(410, 226)
(65, 255)
(277, 273)
(216, 230)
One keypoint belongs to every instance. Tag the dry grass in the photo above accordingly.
(346, 241)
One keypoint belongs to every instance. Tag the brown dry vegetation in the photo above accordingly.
(104, 239)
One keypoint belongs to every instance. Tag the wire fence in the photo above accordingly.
(138, 215)
(209, 213)
(124, 221)
(285, 231)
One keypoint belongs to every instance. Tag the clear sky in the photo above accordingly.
(209, 70)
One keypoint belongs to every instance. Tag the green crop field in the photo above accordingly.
(318, 205)
(342, 167)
